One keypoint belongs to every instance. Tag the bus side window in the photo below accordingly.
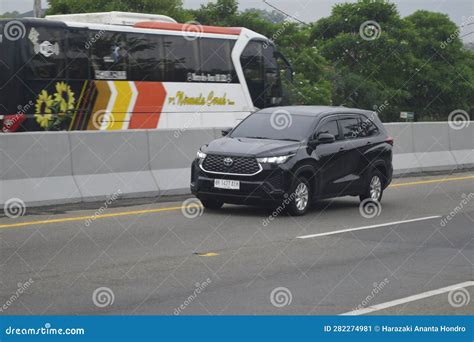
(181, 58)
(216, 59)
(272, 81)
(47, 58)
(252, 65)
(77, 55)
(145, 57)
(108, 55)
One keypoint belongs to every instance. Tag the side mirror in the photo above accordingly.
(226, 131)
(325, 138)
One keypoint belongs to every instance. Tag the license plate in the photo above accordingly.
(226, 184)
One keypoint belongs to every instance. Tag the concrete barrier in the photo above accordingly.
(404, 158)
(36, 168)
(461, 142)
(105, 163)
(46, 168)
(171, 155)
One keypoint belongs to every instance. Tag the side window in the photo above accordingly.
(216, 60)
(46, 53)
(350, 128)
(181, 58)
(145, 57)
(108, 55)
(329, 127)
(367, 127)
(272, 81)
(77, 55)
(252, 65)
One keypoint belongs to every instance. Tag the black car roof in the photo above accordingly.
(316, 110)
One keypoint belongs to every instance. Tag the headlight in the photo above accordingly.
(274, 160)
(201, 154)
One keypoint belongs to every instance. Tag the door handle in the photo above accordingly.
(341, 148)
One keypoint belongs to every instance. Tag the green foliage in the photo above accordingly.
(8, 15)
(172, 8)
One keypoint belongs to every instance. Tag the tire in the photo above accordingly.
(374, 187)
(211, 204)
(301, 191)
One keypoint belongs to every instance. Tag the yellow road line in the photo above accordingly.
(440, 180)
(208, 254)
(93, 217)
(151, 211)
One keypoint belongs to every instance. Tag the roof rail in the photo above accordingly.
(112, 18)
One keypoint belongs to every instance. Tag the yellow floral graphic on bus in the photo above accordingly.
(43, 109)
(52, 111)
(64, 97)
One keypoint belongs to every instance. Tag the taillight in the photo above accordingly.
(389, 140)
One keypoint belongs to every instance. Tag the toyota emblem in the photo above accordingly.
(228, 161)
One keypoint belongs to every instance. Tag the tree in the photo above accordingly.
(405, 64)
(8, 15)
(172, 8)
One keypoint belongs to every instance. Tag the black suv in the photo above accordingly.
(293, 156)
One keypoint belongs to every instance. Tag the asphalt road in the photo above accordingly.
(150, 258)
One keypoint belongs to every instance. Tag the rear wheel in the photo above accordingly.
(374, 188)
(301, 193)
(212, 204)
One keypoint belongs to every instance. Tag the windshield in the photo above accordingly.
(276, 126)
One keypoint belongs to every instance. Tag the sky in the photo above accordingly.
(311, 10)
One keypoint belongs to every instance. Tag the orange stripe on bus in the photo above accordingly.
(190, 28)
(148, 106)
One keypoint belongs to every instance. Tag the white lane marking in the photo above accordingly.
(408, 299)
(366, 227)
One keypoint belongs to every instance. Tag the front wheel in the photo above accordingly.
(212, 204)
(301, 197)
(374, 189)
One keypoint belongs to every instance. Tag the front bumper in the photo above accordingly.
(270, 185)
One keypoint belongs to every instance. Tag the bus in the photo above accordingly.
(119, 71)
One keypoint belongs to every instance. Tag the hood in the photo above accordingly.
(252, 147)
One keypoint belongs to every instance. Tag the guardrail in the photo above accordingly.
(47, 168)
